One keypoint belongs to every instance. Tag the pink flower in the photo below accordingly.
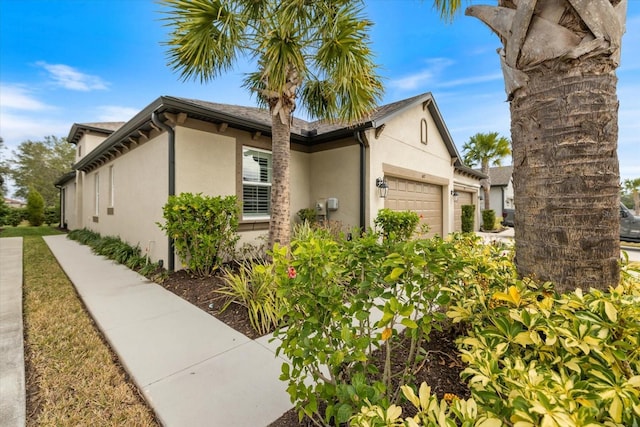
(292, 272)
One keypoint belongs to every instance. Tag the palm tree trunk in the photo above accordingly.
(280, 224)
(486, 184)
(564, 127)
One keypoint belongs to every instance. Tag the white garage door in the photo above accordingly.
(464, 198)
(420, 197)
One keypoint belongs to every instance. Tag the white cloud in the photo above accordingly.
(72, 79)
(471, 80)
(17, 128)
(115, 113)
(18, 97)
(423, 77)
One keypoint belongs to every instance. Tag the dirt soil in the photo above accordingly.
(442, 372)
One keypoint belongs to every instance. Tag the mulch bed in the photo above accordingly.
(442, 372)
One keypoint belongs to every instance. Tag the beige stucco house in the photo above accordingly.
(501, 192)
(124, 172)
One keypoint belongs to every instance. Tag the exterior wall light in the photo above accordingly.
(383, 187)
(455, 194)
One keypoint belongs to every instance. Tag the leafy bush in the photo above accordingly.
(328, 336)
(204, 229)
(35, 208)
(396, 226)
(429, 412)
(52, 215)
(468, 213)
(16, 216)
(488, 219)
(307, 215)
(254, 287)
(4, 211)
(535, 356)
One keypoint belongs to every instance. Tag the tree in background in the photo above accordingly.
(316, 52)
(484, 149)
(38, 164)
(632, 187)
(4, 171)
(35, 208)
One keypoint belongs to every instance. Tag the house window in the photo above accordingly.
(111, 188)
(256, 183)
(96, 188)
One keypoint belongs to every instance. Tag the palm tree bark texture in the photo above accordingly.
(559, 61)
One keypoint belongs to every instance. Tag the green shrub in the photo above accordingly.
(307, 215)
(534, 357)
(52, 215)
(35, 208)
(328, 336)
(395, 225)
(254, 287)
(15, 216)
(488, 219)
(203, 228)
(4, 211)
(468, 214)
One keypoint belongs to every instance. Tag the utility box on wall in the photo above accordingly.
(321, 207)
(332, 204)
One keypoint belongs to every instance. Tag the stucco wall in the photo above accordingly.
(88, 143)
(336, 173)
(140, 191)
(69, 208)
(205, 162)
(399, 145)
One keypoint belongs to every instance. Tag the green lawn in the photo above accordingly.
(72, 376)
(24, 231)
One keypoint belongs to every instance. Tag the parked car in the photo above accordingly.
(629, 225)
(508, 217)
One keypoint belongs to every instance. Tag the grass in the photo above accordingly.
(23, 231)
(73, 378)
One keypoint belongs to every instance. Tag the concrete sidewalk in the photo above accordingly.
(192, 369)
(12, 381)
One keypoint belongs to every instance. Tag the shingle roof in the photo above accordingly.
(500, 176)
(254, 119)
(79, 129)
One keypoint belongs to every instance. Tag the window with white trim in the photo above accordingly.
(96, 187)
(256, 183)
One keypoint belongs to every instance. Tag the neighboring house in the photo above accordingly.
(13, 203)
(501, 189)
(125, 172)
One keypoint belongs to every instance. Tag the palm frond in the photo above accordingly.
(205, 38)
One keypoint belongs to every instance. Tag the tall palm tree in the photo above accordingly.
(313, 51)
(485, 149)
(559, 60)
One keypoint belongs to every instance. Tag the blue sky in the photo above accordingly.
(78, 61)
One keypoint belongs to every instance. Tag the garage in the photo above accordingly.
(420, 197)
(464, 198)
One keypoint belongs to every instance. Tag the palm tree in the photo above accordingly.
(559, 61)
(315, 51)
(632, 186)
(483, 149)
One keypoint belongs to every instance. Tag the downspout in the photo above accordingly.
(172, 177)
(363, 182)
